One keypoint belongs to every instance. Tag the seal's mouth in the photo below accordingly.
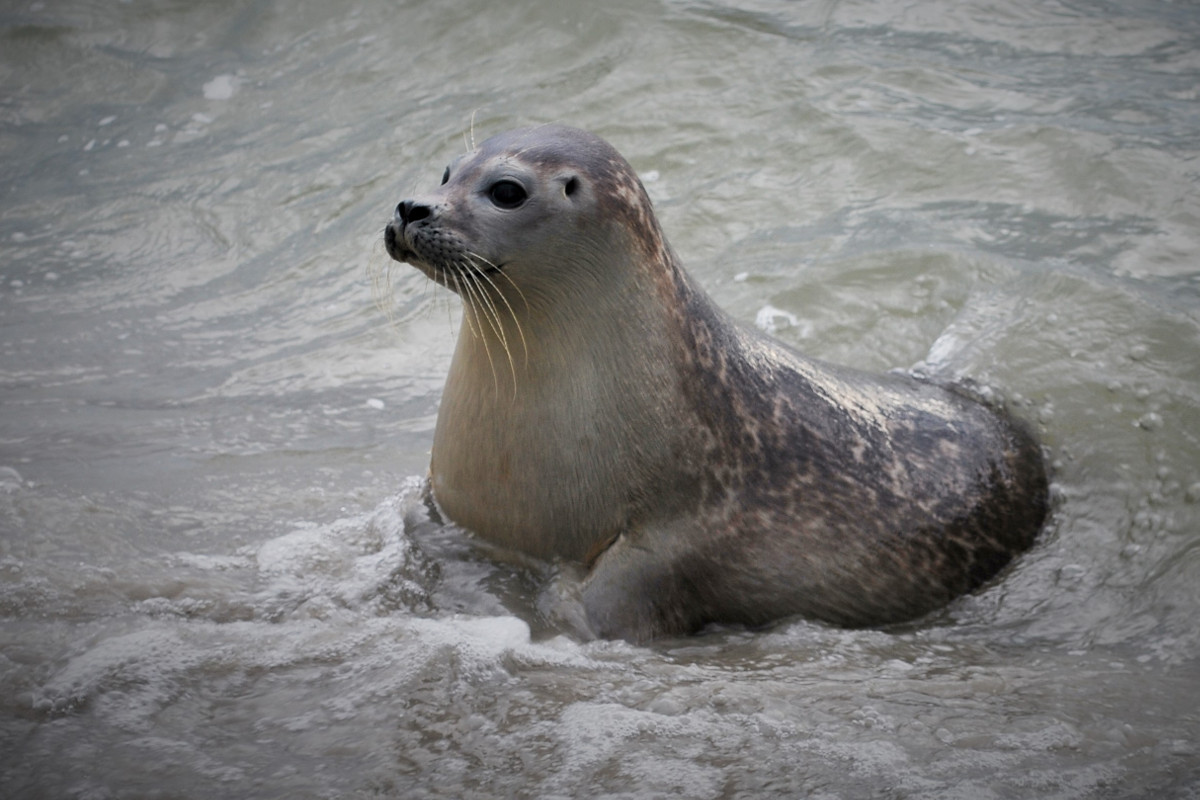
(394, 242)
(400, 249)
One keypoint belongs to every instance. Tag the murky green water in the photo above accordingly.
(213, 579)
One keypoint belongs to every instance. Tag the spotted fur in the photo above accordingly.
(700, 471)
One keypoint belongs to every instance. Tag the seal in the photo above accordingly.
(600, 409)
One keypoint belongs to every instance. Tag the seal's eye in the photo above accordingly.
(507, 194)
(445, 176)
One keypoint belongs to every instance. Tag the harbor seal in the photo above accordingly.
(600, 409)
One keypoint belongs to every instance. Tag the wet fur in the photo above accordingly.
(703, 472)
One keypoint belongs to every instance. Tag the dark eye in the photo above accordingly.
(507, 194)
(445, 176)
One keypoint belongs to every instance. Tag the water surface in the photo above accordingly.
(215, 579)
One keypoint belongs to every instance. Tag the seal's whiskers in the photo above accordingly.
(380, 274)
(470, 316)
(476, 312)
(491, 313)
(512, 313)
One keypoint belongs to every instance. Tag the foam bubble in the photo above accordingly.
(221, 87)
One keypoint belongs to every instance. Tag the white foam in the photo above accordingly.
(351, 564)
(221, 87)
(772, 319)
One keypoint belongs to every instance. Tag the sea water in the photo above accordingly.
(216, 575)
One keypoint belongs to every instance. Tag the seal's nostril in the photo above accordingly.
(409, 211)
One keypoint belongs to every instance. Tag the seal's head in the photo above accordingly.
(538, 208)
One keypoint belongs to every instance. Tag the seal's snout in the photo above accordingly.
(391, 241)
(409, 211)
(395, 236)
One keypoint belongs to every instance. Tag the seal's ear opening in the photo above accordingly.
(570, 187)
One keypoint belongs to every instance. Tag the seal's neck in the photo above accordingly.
(553, 415)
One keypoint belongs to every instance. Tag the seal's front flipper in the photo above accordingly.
(637, 592)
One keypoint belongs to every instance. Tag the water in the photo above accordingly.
(215, 578)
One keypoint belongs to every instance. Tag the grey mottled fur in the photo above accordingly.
(600, 408)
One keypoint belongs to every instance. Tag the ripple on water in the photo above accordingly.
(213, 583)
